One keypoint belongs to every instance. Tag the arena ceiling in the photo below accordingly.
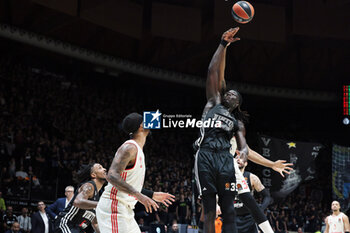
(285, 45)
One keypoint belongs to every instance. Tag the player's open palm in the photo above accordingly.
(147, 202)
(281, 166)
(165, 198)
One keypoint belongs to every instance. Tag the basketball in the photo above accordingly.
(242, 12)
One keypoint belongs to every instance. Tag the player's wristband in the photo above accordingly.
(148, 193)
(224, 43)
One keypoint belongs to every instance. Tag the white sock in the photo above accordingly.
(266, 227)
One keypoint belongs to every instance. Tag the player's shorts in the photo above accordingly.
(246, 224)
(216, 172)
(241, 183)
(62, 226)
(115, 217)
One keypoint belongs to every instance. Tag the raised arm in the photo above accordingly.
(125, 156)
(215, 78)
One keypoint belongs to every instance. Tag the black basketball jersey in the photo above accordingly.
(239, 207)
(76, 216)
(218, 138)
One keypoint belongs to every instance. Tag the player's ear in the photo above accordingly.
(93, 175)
(141, 127)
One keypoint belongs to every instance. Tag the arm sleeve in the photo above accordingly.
(147, 192)
(267, 199)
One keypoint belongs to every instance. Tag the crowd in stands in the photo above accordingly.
(52, 124)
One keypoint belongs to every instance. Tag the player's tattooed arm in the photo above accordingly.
(125, 156)
(256, 183)
(85, 192)
(260, 188)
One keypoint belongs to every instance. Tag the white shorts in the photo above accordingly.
(241, 183)
(115, 217)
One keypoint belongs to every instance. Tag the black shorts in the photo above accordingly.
(61, 226)
(246, 224)
(215, 172)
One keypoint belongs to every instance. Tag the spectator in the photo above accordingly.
(142, 226)
(6, 179)
(25, 221)
(61, 203)
(172, 210)
(41, 222)
(182, 210)
(294, 225)
(2, 205)
(174, 227)
(21, 174)
(218, 220)
(9, 218)
(14, 228)
(163, 214)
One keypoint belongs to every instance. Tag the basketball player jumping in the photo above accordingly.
(125, 180)
(80, 212)
(279, 166)
(214, 164)
(338, 222)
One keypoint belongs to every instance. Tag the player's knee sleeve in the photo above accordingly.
(227, 209)
(228, 214)
(209, 203)
(253, 207)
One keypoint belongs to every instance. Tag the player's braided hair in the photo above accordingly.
(84, 174)
(238, 113)
(241, 115)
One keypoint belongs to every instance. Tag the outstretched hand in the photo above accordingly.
(229, 35)
(165, 198)
(281, 166)
(147, 202)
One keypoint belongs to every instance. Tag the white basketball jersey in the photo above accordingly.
(133, 176)
(336, 223)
